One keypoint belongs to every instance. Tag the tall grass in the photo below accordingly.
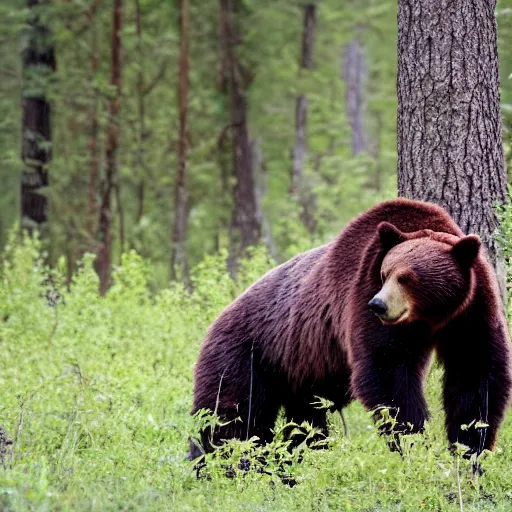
(96, 393)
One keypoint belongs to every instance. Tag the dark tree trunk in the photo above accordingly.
(308, 37)
(94, 153)
(120, 213)
(301, 105)
(38, 59)
(298, 188)
(246, 217)
(140, 201)
(179, 265)
(449, 126)
(354, 74)
(299, 152)
(105, 226)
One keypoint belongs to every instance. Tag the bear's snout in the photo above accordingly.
(378, 306)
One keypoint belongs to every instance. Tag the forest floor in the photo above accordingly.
(96, 394)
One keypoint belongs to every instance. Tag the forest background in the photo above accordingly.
(317, 104)
(188, 131)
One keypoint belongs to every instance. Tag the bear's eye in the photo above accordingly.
(403, 279)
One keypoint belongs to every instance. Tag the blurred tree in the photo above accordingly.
(257, 119)
(298, 186)
(94, 163)
(449, 125)
(246, 218)
(110, 180)
(140, 165)
(38, 58)
(354, 74)
(179, 260)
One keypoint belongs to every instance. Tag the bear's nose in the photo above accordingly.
(378, 307)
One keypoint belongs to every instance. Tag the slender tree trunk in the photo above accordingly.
(140, 201)
(105, 227)
(179, 265)
(120, 212)
(260, 172)
(224, 160)
(377, 151)
(299, 152)
(94, 154)
(298, 188)
(301, 103)
(449, 126)
(246, 217)
(141, 115)
(38, 59)
(354, 74)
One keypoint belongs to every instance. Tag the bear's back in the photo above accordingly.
(261, 314)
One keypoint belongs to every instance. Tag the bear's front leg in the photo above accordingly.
(475, 352)
(385, 379)
(466, 402)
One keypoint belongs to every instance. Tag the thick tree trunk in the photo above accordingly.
(354, 74)
(246, 217)
(298, 187)
(179, 265)
(449, 126)
(38, 61)
(105, 227)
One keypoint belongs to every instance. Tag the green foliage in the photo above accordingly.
(342, 185)
(503, 236)
(97, 391)
(272, 33)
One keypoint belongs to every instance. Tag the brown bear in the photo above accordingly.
(359, 318)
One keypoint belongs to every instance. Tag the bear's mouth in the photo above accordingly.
(396, 320)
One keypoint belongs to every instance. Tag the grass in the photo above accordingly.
(97, 394)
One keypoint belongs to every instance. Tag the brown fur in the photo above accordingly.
(305, 330)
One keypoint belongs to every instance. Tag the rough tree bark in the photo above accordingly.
(246, 218)
(38, 61)
(105, 225)
(449, 126)
(179, 262)
(354, 74)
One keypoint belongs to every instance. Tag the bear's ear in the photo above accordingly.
(466, 250)
(389, 235)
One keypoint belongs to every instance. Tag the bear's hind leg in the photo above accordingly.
(244, 411)
(300, 410)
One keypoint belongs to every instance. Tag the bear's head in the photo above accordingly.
(426, 276)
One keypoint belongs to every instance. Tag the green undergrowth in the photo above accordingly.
(96, 393)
